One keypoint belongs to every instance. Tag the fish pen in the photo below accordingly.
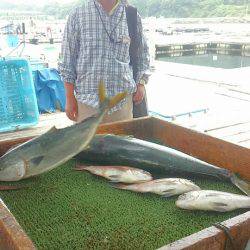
(66, 209)
(182, 49)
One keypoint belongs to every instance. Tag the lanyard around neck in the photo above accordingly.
(111, 39)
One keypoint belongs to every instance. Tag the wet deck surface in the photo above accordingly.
(175, 90)
(46, 121)
(180, 93)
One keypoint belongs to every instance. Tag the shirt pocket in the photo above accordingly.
(122, 48)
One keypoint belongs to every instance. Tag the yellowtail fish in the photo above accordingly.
(56, 146)
(166, 187)
(210, 200)
(118, 173)
(129, 151)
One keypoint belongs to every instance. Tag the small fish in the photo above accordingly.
(118, 173)
(166, 187)
(210, 200)
(129, 151)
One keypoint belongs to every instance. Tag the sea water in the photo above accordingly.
(211, 60)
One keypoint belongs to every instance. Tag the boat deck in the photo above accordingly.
(46, 121)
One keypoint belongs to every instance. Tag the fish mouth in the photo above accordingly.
(243, 185)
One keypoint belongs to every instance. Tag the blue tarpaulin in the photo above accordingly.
(50, 90)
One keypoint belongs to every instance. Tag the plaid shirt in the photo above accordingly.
(89, 56)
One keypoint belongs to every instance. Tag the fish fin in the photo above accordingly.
(124, 136)
(52, 130)
(80, 168)
(243, 185)
(5, 188)
(119, 186)
(116, 99)
(212, 195)
(114, 181)
(114, 176)
(219, 206)
(168, 192)
(25, 167)
(104, 101)
(102, 92)
(36, 160)
(167, 195)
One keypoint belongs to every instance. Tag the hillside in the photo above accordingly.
(165, 8)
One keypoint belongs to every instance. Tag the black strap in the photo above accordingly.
(141, 109)
(131, 14)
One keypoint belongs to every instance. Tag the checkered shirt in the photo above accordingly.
(89, 56)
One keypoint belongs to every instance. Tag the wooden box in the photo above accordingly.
(204, 147)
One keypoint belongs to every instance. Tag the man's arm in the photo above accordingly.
(143, 63)
(71, 107)
(67, 66)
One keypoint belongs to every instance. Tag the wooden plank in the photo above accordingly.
(238, 138)
(222, 123)
(204, 147)
(230, 130)
(245, 143)
(140, 128)
(214, 124)
(12, 235)
(235, 96)
(215, 239)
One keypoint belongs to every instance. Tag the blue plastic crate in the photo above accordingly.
(12, 40)
(18, 103)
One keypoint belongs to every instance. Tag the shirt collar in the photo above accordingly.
(122, 2)
(114, 8)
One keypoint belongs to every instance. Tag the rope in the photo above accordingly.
(229, 238)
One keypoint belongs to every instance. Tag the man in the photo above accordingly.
(96, 47)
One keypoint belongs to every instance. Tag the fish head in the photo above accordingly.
(12, 168)
(141, 175)
(190, 186)
(187, 200)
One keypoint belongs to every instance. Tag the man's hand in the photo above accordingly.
(139, 94)
(71, 107)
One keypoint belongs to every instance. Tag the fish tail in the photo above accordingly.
(105, 102)
(243, 185)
